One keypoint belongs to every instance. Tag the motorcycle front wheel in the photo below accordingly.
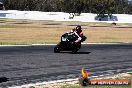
(56, 49)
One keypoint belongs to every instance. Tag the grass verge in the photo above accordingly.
(75, 83)
(45, 32)
(101, 86)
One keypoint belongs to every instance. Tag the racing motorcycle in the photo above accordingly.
(67, 43)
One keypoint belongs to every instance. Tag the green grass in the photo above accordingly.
(18, 26)
(9, 26)
(45, 22)
(62, 22)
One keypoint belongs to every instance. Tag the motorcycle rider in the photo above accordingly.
(78, 32)
(71, 41)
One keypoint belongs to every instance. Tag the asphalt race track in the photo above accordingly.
(30, 64)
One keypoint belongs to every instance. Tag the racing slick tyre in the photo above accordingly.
(76, 47)
(74, 51)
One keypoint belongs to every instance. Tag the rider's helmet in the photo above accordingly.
(78, 29)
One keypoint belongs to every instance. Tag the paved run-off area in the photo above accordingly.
(31, 64)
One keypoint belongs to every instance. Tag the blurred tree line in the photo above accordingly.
(71, 6)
